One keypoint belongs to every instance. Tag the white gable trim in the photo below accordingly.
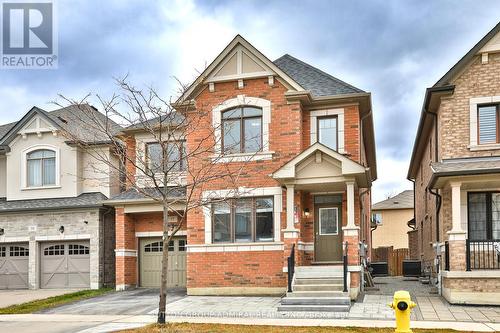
(238, 40)
(349, 167)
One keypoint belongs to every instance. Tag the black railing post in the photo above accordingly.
(291, 268)
(446, 256)
(467, 255)
(345, 266)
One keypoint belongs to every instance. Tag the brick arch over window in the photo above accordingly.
(242, 101)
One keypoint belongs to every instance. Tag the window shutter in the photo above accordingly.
(487, 124)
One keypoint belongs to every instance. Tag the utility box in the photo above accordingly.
(412, 268)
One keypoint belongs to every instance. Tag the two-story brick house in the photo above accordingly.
(55, 231)
(455, 167)
(307, 180)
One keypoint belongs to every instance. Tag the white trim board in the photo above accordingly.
(158, 233)
(234, 247)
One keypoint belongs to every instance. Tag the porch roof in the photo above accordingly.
(441, 171)
(320, 166)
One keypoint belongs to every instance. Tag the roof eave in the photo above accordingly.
(431, 104)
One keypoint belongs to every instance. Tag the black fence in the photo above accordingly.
(291, 267)
(482, 254)
(446, 256)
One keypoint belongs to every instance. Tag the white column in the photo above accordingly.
(350, 229)
(290, 205)
(456, 232)
(350, 205)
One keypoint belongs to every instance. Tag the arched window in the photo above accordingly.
(242, 130)
(41, 168)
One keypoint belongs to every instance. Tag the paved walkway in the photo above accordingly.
(13, 297)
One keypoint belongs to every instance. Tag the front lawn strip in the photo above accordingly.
(222, 328)
(51, 302)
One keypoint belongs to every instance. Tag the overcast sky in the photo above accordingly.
(393, 49)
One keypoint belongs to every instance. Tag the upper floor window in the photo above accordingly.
(328, 131)
(242, 130)
(175, 156)
(488, 124)
(41, 168)
(243, 220)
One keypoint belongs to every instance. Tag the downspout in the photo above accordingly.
(438, 201)
(108, 210)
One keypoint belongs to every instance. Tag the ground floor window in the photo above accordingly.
(483, 215)
(243, 220)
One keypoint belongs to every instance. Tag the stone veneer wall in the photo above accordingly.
(17, 229)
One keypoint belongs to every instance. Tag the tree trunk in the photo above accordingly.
(164, 267)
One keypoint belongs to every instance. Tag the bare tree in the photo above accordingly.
(169, 172)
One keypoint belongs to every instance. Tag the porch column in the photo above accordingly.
(456, 232)
(290, 195)
(456, 236)
(350, 205)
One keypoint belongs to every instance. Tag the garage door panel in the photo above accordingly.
(14, 263)
(65, 265)
(151, 258)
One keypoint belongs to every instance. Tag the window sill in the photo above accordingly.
(236, 247)
(243, 157)
(494, 146)
(40, 188)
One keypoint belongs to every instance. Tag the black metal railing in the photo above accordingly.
(345, 266)
(291, 268)
(446, 256)
(482, 254)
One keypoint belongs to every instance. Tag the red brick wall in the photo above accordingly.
(130, 161)
(233, 269)
(126, 273)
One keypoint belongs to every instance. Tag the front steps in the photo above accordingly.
(317, 289)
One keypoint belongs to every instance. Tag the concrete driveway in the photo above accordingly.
(130, 302)
(13, 297)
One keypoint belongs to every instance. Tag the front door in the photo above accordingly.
(328, 240)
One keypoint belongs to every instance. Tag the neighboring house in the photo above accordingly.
(308, 181)
(55, 231)
(390, 219)
(455, 167)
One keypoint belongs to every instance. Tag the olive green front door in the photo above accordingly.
(328, 233)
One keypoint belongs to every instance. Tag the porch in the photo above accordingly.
(325, 217)
(470, 265)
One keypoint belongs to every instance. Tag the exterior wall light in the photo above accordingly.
(306, 212)
(2, 231)
(61, 229)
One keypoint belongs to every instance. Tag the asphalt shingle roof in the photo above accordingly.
(174, 118)
(75, 120)
(82, 201)
(133, 194)
(313, 79)
(465, 166)
(403, 200)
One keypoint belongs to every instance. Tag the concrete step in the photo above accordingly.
(315, 308)
(328, 280)
(318, 287)
(301, 294)
(342, 300)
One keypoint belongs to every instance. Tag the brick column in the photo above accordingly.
(125, 251)
(290, 234)
(351, 236)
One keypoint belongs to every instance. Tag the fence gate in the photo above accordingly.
(393, 257)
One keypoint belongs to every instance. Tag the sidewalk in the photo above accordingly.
(102, 323)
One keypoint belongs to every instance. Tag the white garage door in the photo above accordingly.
(150, 262)
(65, 265)
(14, 266)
